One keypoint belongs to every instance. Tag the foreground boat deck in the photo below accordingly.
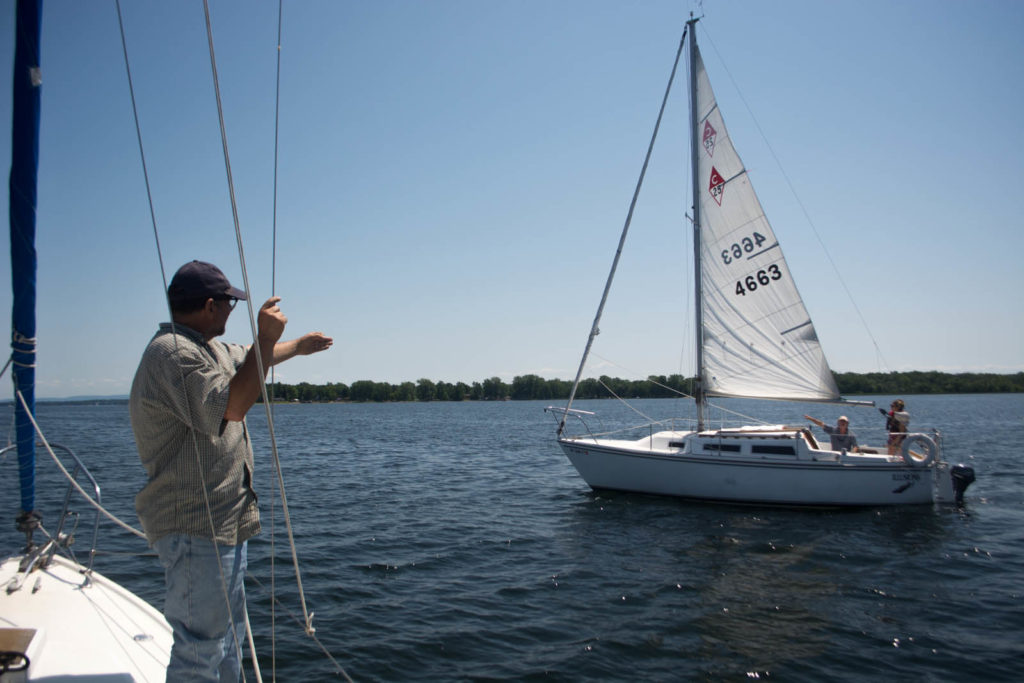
(75, 629)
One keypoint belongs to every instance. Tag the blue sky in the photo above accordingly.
(454, 175)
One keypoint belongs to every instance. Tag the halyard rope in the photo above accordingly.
(60, 466)
(163, 274)
(252, 320)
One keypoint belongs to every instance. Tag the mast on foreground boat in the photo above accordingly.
(22, 210)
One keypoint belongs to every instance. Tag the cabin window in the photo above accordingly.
(773, 450)
(721, 448)
(677, 444)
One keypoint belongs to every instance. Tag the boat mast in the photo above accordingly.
(22, 210)
(698, 394)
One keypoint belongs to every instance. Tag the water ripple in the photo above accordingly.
(455, 542)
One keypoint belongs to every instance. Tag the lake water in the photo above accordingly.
(454, 541)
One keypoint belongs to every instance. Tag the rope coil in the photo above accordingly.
(21, 346)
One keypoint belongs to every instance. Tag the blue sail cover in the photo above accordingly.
(24, 164)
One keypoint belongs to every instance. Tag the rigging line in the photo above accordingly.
(682, 394)
(245, 278)
(163, 275)
(273, 292)
(625, 402)
(7, 365)
(738, 414)
(338, 668)
(121, 553)
(142, 152)
(803, 209)
(277, 129)
(594, 331)
(252, 646)
(72, 480)
(252, 321)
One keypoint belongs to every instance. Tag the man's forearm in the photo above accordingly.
(285, 350)
(247, 384)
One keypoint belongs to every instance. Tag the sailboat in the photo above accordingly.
(58, 618)
(755, 340)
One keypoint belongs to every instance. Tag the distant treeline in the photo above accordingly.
(928, 383)
(533, 387)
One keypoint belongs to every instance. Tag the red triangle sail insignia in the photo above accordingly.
(708, 139)
(717, 185)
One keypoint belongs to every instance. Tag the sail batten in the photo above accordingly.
(757, 338)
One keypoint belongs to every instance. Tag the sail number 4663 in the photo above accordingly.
(759, 279)
(745, 245)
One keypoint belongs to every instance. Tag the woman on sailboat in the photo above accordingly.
(896, 422)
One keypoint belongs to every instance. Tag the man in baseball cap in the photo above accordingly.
(198, 281)
(188, 403)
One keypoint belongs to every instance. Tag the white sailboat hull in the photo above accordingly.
(770, 468)
(95, 630)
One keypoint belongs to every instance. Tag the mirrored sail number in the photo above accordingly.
(761, 278)
(747, 245)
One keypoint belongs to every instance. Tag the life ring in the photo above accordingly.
(923, 443)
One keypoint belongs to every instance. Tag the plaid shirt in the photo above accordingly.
(177, 405)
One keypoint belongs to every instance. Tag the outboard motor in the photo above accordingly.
(962, 476)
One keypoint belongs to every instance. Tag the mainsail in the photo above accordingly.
(758, 340)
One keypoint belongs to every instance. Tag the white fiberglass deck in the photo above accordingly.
(95, 631)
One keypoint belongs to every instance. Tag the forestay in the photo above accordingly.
(758, 339)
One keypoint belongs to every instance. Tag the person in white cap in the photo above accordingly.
(842, 438)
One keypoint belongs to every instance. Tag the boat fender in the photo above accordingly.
(912, 447)
(962, 476)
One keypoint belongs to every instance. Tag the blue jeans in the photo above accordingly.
(204, 643)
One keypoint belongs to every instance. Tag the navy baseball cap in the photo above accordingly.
(201, 280)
